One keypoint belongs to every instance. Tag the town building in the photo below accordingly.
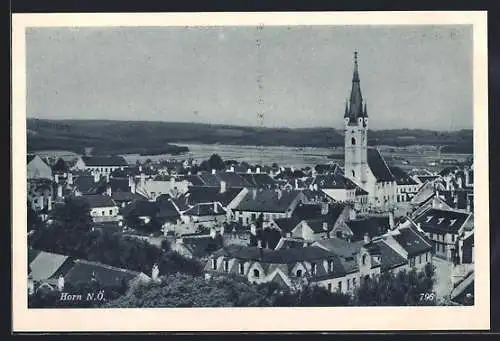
(37, 168)
(103, 165)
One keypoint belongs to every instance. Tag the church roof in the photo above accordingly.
(354, 109)
(378, 166)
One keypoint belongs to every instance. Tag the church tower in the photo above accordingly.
(356, 132)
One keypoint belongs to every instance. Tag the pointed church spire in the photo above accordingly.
(365, 112)
(355, 75)
(346, 113)
(356, 100)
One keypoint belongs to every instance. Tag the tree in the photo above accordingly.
(74, 214)
(406, 288)
(34, 221)
(216, 162)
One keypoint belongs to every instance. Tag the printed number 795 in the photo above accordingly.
(428, 296)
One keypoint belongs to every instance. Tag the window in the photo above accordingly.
(226, 266)
(242, 269)
(353, 141)
(363, 260)
(330, 265)
(420, 259)
(330, 287)
(313, 268)
(412, 262)
(253, 216)
(339, 285)
(432, 235)
(214, 264)
(102, 212)
(426, 258)
(354, 282)
(429, 217)
(256, 273)
(453, 238)
(348, 283)
(353, 174)
(452, 222)
(440, 220)
(110, 212)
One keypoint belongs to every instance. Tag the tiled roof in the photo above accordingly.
(287, 224)
(195, 180)
(99, 200)
(389, 257)
(202, 245)
(46, 264)
(413, 241)
(378, 166)
(82, 271)
(119, 184)
(29, 157)
(196, 195)
(233, 179)
(282, 256)
(267, 201)
(327, 181)
(126, 196)
(436, 220)
(291, 243)
(104, 161)
(259, 180)
(374, 226)
(340, 247)
(402, 178)
(205, 210)
(86, 184)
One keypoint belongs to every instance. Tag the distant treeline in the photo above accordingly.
(157, 137)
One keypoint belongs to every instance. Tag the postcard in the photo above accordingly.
(306, 171)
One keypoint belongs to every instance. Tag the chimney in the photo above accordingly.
(108, 190)
(391, 219)
(49, 203)
(216, 207)
(107, 178)
(296, 183)
(213, 171)
(213, 233)
(259, 246)
(155, 272)
(258, 170)
(279, 194)
(143, 178)
(253, 229)
(59, 191)
(315, 187)
(132, 186)
(70, 178)
(97, 177)
(249, 170)
(140, 168)
(60, 283)
(56, 178)
(367, 239)
(254, 193)
(223, 187)
(325, 228)
(222, 230)
(324, 208)
(231, 169)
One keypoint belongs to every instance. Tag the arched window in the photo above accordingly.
(363, 260)
(256, 273)
(353, 141)
(353, 173)
(299, 273)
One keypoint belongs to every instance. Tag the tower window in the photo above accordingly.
(353, 173)
(353, 141)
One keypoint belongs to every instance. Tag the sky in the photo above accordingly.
(298, 76)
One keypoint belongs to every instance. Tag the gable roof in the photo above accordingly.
(333, 181)
(86, 184)
(281, 256)
(104, 161)
(438, 220)
(378, 166)
(202, 245)
(286, 225)
(82, 271)
(203, 194)
(267, 201)
(46, 264)
(340, 247)
(402, 178)
(412, 241)
(259, 180)
(374, 226)
(99, 200)
(389, 259)
(205, 210)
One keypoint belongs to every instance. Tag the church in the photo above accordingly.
(362, 164)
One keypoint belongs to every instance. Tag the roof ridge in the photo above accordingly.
(106, 266)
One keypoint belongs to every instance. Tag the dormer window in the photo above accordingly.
(452, 222)
(440, 220)
(429, 217)
(299, 273)
(353, 141)
(214, 264)
(226, 266)
(256, 273)
(330, 266)
(313, 268)
(242, 269)
(363, 260)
